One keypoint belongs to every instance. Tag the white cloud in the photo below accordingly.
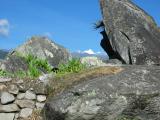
(4, 27)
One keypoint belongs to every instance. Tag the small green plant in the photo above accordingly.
(19, 74)
(35, 67)
(4, 73)
(73, 66)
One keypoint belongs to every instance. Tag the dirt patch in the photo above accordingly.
(59, 84)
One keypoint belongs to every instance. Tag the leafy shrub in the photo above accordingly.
(73, 66)
(35, 67)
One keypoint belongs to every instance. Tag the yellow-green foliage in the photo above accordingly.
(4, 73)
(73, 66)
(35, 67)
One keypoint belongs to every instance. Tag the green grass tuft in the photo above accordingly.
(38, 66)
(73, 66)
(5, 73)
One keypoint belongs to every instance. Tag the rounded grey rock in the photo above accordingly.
(6, 98)
(25, 113)
(20, 96)
(9, 108)
(39, 105)
(30, 95)
(25, 103)
(41, 98)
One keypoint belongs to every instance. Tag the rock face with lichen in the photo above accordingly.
(133, 93)
(44, 48)
(130, 34)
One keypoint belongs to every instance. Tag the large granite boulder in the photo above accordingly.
(132, 94)
(43, 48)
(130, 34)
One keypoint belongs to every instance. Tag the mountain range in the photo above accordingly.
(80, 54)
(3, 53)
(77, 54)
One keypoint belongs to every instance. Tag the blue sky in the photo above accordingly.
(67, 22)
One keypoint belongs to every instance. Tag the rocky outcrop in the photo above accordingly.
(40, 47)
(133, 93)
(130, 34)
(13, 64)
(43, 48)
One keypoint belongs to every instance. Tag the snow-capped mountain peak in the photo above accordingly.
(89, 51)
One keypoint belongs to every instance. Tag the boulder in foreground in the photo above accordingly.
(130, 34)
(133, 93)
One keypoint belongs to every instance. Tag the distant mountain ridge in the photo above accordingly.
(83, 54)
(3, 53)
